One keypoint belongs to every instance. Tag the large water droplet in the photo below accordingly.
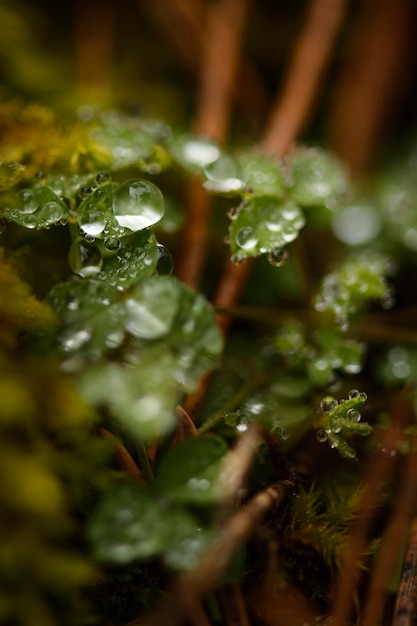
(138, 204)
(328, 403)
(84, 259)
(246, 238)
(52, 211)
(28, 201)
(353, 415)
(92, 221)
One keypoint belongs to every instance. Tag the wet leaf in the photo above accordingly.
(264, 224)
(189, 471)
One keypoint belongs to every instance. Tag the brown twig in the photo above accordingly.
(405, 611)
(378, 472)
(233, 606)
(373, 80)
(218, 74)
(311, 56)
(289, 114)
(94, 43)
(123, 457)
(392, 543)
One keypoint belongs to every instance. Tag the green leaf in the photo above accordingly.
(127, 260)
(37, 207)
(262, 173)
(189, 471)
(264, 224)
(315, 177)
(128, 525)
(356, 282)
(91, 317)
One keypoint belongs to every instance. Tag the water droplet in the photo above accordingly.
(102, 177)
(84, 259)
(28, 201)
(165, 263)
(74, 339)
(112, 243)
(321, 435)
(92, 221)
(200, 152)
(353, 393)
(52, 211)
(85, 191)
(277, 257)
(138, 204)
(328, 403)
(363, 395)
(233, 212)
(353, 415)
(246, 238)
(238, 260)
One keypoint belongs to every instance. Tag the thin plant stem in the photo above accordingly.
(379, 65)
(219, 70)
(402, 513)
(295, 106)
(405, 611)
(379, 470)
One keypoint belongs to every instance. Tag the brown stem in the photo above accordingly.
(233, 606)
(378, 472)
(94, 43)
(224, 33)
(392, 543)
(374, 79)
(311, 56)
(123, 457)
(406, 605)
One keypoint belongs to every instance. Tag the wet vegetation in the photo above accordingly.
(208, 339)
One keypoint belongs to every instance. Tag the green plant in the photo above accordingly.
(170, 446)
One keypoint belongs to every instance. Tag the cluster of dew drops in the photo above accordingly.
(329, 404)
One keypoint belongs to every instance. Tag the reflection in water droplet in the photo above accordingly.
(92, 221)
(138, 204)
(246, 238)
(52, 211)
(84, 259)
(75, 339)
(321, 436)
(112, 243)
(238, 260)
(28, 201)
(102, 177)
(353, 415)
(165, 263)
(328, 403)
(85, 191)
(278, 257)
(353, 393)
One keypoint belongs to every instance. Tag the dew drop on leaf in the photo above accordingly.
(246, 238)
(28, 201)
(102, 177)
(91, 220)
(52, 212)
(321, 435)
(277, 257)
(353, 415)
(165, 263)
(112, 243)
(138, 204)
(85, 191)
(84, 259)
(353, 393)
(328, 403)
